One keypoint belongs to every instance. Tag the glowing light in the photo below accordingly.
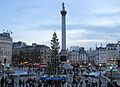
(111, 67)
(5, 56)
(80, 65)
(68, 60)
(100, 64)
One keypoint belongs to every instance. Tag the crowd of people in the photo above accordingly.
(77, 81)
(29, 83)
(10, 82)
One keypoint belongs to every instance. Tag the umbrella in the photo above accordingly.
(54, 78)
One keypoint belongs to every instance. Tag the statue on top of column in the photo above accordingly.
(63, 6)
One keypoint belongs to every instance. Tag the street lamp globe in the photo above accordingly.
(111, 67)
(100, 64)
(3, 64)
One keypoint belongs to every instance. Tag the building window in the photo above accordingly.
(111, 55)
(115, 55)
(111, 51)
(108, 51)
(114, 51)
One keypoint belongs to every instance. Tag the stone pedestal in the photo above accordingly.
(63, 56)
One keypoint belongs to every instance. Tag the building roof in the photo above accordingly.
(5, 36)
(111, 45)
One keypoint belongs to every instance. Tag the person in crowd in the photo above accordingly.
(39, 84)
(12, 82)
(23, 83)
(6, 81)
(2, 81)
(95, 84)
(27, 85)
(81, 83)
(20, 82)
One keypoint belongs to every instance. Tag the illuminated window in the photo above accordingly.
(114, 51)
(115, 59)
(111, 55)
(115, 55)
(108, 51)
(111, 58)
(104, 54)
(111, 51)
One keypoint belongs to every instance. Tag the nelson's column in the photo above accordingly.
(63, 53)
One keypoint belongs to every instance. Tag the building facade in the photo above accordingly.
(91, 56)
(108, 55)
(16, 50)
(100, 56)
(5, 48)
(78, 55)
(74, 53)
(83, 56)
(31, 54)
(113, 53)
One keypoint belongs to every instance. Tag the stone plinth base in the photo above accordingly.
(63, 56)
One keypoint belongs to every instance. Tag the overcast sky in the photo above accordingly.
(88, 21)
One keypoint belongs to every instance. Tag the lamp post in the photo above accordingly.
(4, 63)
(100, 76)
(100, 68)
(3, 68)
(111, 68)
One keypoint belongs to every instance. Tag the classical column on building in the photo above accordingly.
(63, 53)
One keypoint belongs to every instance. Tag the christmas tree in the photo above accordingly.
(54, 64)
